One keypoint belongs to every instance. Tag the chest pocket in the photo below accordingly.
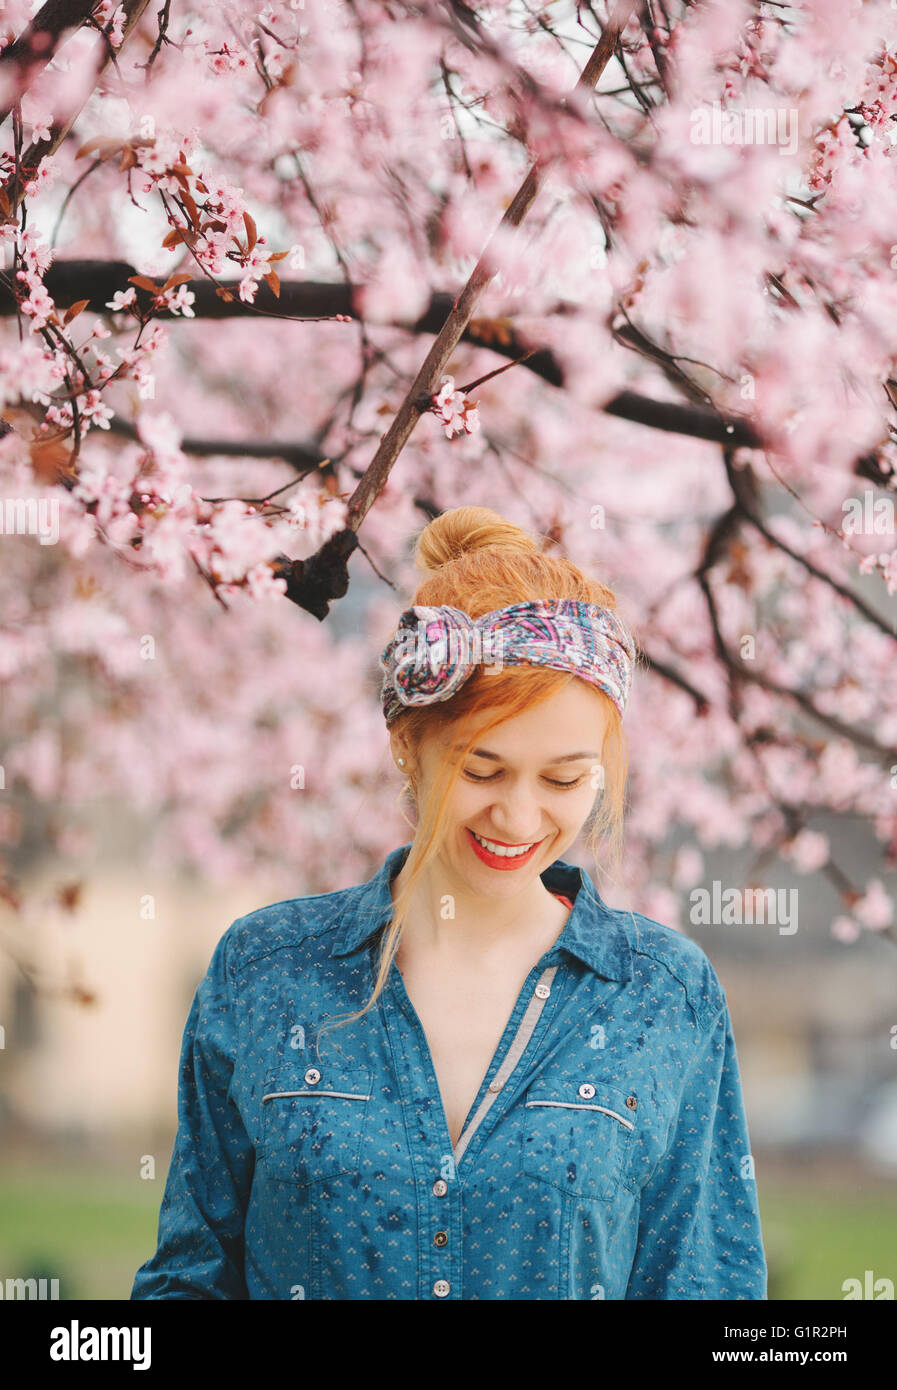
(312, 1128)
(580, 1136)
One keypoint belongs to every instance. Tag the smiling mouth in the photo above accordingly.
(498, 851)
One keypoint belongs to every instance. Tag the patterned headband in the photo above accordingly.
(435, 650)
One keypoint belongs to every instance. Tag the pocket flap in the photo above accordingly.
(578, 1135)
(313, 1119)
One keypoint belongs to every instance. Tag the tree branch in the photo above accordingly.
(31, 158)
(304, 458)
(309, 579)
(67, 281)
(737, 484)
(723, 530)
(36, 46)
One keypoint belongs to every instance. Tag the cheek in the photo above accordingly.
(468, 801)
(576, 806)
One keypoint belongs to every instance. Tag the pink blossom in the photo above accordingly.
(38, 306)
(844, 929)
(689, 866)
(453, 408)
(179, 301)
(122, 298)
(808, 851)
(94, 410)
(385, 182)
(40, 121)
(262, 583)
(876, 908)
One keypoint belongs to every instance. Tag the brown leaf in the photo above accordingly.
(492, 330)
(178, 234)
(739, 572)
(272, 280)
(250, 229)
(224, 294)
(10, 894)
(174, 280)
(83, 996)
(191, 207)
(143, 282)
(278, 255)
(69, 894)
(102, 144)
(74, 309)
(50, 459)
(128, 158)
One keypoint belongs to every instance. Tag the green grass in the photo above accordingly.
(815, 1238)
(91, 1230)
(88, 1229)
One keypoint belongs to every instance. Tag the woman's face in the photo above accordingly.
(521, 788)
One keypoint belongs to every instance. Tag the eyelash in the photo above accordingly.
(562, 786)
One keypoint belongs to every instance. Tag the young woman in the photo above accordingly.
(469, 1078)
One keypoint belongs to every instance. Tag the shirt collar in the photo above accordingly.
(593, 933)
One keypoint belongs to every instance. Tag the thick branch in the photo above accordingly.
(36, 46)
(98, 281)
(424, 384)
(40, 149)
(304, 458)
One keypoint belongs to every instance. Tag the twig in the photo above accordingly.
(375, 477)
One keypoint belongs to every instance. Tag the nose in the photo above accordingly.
(517, 816)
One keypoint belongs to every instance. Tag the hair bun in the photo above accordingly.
(465, 529)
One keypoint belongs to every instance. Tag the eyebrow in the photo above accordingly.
(564, 758)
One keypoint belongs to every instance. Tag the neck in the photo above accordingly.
(480, 925)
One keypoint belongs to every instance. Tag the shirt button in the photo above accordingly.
(440, 1187)
(631, 1102)
(542, 991)
(440, 1238)
(312, 1076)
(495, 1085)
(587, 1090)
(441, 1288)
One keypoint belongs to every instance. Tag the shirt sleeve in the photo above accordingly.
(200, 1247)
(699, 1233)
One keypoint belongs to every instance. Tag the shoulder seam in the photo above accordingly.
(705, 1012)
(304, 933)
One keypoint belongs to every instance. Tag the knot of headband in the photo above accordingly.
(436, 649)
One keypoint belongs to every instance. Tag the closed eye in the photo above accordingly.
(551, 780)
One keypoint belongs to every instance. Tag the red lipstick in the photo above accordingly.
(500, 861)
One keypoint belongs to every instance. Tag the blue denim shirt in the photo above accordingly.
(606, 1155)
